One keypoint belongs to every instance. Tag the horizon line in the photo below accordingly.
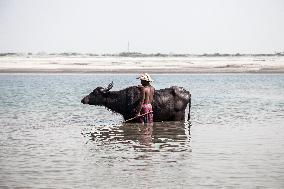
(132, 52)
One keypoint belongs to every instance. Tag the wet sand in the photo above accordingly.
(67, 64)
(156, 71)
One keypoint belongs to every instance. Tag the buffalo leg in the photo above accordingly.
(189, 107)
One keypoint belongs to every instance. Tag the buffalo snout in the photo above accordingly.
(85, 100)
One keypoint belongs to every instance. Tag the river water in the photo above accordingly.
(48, 139)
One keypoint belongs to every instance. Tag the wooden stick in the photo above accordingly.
(137, 117)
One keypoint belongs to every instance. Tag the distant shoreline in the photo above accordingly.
(138, 54)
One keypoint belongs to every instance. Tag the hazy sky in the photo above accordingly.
(106, 26)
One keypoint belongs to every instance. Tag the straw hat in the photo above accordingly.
(145, 77)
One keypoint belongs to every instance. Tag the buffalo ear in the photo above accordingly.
(101, 90)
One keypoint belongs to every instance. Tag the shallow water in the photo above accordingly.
(50, 140)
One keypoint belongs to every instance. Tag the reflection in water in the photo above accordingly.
(165, 136)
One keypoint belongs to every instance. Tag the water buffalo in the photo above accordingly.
(168, 105)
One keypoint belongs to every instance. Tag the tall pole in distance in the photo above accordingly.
(128, 47)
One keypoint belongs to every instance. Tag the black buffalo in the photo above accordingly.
(168, 105)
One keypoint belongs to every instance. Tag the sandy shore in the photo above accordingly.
(102, 64)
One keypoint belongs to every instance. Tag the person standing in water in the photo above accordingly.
(147, 98)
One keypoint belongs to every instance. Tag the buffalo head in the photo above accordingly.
(98, 96)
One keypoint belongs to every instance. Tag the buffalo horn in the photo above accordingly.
(109, 87)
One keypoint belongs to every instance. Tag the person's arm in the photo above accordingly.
(141, 102)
